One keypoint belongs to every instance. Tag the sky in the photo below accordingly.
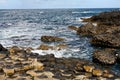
(41, 4)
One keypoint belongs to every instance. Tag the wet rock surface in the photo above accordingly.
(106, 56)
(106, 18)
(107, 40)
(2, 48)
(73, 28)
(20, 64)
(51, 39)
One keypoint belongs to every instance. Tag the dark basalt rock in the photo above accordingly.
(107, 40)
(73, 28)
(106, 18)
(2, 48)
(106, 56)
(51, 39)
(87, 29)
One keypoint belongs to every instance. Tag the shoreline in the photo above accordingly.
(20, 63)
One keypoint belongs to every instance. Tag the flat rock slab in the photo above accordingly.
(106, 56)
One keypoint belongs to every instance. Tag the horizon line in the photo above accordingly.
(65, 8)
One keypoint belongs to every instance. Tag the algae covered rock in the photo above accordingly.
(106, 56)
(51, 39)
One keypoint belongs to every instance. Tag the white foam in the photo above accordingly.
(80, 19)
(57, 53)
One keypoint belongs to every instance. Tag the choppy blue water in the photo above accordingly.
(25, 27)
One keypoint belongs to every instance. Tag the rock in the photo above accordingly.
(37, 65)
(51, 39)
(107, 40)
(2, 48)
(27, 67)
(73, 28)
(29, 49)
(9, 71)
(97, 72)
(32, 73)
(61, 46)
(88, 74)
(2, 76)
(87, 29)
(107, 75)
(81, 77)
(88, 68)
(106, 18)
(2, 56)
(118, 57)
(45, 47)
(106, 56)
(101, 78)
(14, 50)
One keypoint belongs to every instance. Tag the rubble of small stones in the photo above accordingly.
(19, 64)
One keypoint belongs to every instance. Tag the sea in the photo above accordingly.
(24, 28)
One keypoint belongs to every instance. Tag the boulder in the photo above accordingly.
(87, 29)
(2, 56)
(2, 48)
(97, 72)
(88, 68)
(51, 39)
(107, 40)
(118, 57)
(106, 18)
(14, 50)
(9, 71)
(73, 28)
(45, 47)
(37, 65)
(106, 56)
(61, 46)
(107, 75)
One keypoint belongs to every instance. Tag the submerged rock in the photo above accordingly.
(106, 56)
(45, 47)
(51, 39)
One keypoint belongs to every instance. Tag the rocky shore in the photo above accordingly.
(18, 63)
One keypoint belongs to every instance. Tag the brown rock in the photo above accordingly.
(37, 65)
(107, 40)
(9, 71)
(88, 68)
(14, 50)
(27, 67)
(73, 28)
(106, 56)
(29, 49)
(107, 75)
(51, 39)
(32, 73)
(97, 72)
(45, 47)
(2, 56)
(107, 18)
(61, 46)
(87, 29)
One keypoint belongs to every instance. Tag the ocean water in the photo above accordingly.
(25, 27)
